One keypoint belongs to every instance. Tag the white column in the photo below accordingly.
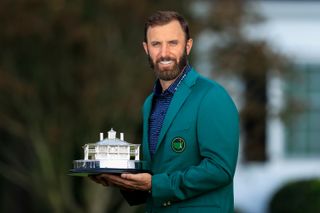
(122, 136)
(137, 157)
(101, 136)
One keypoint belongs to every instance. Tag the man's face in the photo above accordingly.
(167, 50)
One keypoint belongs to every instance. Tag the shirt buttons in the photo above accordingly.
(168, 203)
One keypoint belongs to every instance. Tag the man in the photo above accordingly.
(190, 130)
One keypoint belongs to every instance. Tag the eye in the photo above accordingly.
(173, 42)
(155, 44)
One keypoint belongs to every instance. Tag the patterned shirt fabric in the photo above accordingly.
(160, 104)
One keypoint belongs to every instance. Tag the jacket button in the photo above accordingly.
(168, 203)
(164, 204)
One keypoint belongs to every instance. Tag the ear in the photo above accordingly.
(189, 45)
(145, 47)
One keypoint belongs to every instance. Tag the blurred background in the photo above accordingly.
(72, 69)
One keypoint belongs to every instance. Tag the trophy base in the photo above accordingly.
(95, 167)
(87, 172)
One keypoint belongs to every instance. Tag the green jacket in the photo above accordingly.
(196, 154)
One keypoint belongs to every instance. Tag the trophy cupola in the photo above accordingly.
(112, 134)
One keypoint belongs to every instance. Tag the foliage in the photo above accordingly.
(251, 61)
(301, 196)
(68, 70)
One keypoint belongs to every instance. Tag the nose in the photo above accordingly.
(164, 50)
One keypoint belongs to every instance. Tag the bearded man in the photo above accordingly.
(190, 130)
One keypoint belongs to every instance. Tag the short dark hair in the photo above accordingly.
(164, 17)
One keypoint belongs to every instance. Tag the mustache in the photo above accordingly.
(168, 58)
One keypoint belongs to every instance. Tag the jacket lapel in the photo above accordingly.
(178, 99)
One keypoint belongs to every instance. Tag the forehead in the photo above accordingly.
(169, 31)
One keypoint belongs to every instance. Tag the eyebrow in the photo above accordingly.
(154, 42)
(175, 41)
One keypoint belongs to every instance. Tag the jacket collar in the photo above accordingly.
(177, 101)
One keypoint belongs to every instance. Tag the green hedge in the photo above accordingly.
(302, 196)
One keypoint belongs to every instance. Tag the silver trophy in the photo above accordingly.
(109, 155)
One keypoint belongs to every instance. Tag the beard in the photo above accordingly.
(170, 73)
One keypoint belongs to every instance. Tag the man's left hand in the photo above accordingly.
(141, 181)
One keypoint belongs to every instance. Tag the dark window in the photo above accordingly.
(303, 112)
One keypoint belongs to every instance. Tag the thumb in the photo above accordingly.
(127, 176)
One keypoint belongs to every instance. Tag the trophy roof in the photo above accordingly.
(115, 141)
(112, 142)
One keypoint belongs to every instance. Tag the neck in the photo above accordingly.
(166, 84)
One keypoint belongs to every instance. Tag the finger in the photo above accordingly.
(133, 177)
(123, 186)
(102, 180)
(111, 177)
(118, 181)
(142, 180)
(122, 183)
(112, 181)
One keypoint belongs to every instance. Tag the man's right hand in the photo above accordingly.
(107, 180)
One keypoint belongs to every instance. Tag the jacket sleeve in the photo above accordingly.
(135, 197)
(218, 138)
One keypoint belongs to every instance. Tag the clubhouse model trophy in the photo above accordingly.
(109, 155)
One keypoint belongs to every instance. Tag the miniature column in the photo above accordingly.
(122, 136)
(101, 136)
(137, 157)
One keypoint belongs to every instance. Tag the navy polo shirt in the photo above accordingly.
(160, 104)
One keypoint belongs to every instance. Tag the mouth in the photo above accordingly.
(166, 62)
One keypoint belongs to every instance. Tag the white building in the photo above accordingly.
(293, 148)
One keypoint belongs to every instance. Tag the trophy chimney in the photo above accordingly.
(101, 136)
(121, 136)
